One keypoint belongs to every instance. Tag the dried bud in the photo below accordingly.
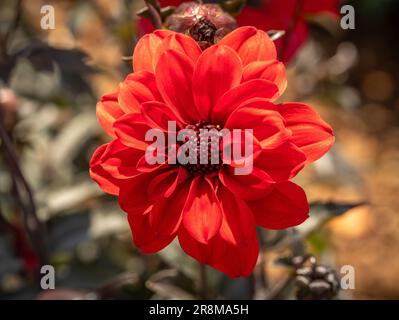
(206, 23)
(315, 282)
(8, 99)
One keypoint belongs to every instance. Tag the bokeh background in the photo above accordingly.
(350, 77)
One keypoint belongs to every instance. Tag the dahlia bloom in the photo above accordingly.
(211, 211)
(276, 15)
(281, 14)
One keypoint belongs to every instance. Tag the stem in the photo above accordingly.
(112, 287)
(203, 285)
(26, 203)
(263, 261)
(252, 285)
(14, 24)
(278, 290)
(155, 16)
(294, 21)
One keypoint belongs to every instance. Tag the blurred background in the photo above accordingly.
(50, 82)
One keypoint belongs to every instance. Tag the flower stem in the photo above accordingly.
(13, 26)
(24, 196)
(203, 284)
(155, 16)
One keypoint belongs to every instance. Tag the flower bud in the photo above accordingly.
(205, 23)
(8, 99)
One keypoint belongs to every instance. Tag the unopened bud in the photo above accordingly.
(205, 23)
(8, 99)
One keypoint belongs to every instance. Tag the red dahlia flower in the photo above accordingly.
(288, 15)
(212, 211)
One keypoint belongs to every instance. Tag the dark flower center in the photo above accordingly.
(204, 141)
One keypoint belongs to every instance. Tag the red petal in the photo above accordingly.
(309, 132)
(156, 229)
(285, 207)
(144, 53)
(174, 78)
(131, 129)
(233, 98)
(235, 151)
(248, 187)
(281, 163)
(135, 195)
(180, 43)
(113, 162)
(238, 221)
(106, 182)
(144, 235)
(137, 88)
(267, 125)
(107, 111)
(144, 165)
(166, 215)
(271, 70)
(164, 184)
(236, 256)
(120, 161)
(160, 114)
(202, 215)
(217, 71)
(251, 44)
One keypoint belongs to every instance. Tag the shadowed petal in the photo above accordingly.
(285, 207)
(145, 235)
(248, 187)
(137, 194)
(281, 163)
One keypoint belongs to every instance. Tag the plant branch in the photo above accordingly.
(203, 285)
(13, 26)
(24, 196)
(155, 16)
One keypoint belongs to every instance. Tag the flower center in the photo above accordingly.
(202, 148)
